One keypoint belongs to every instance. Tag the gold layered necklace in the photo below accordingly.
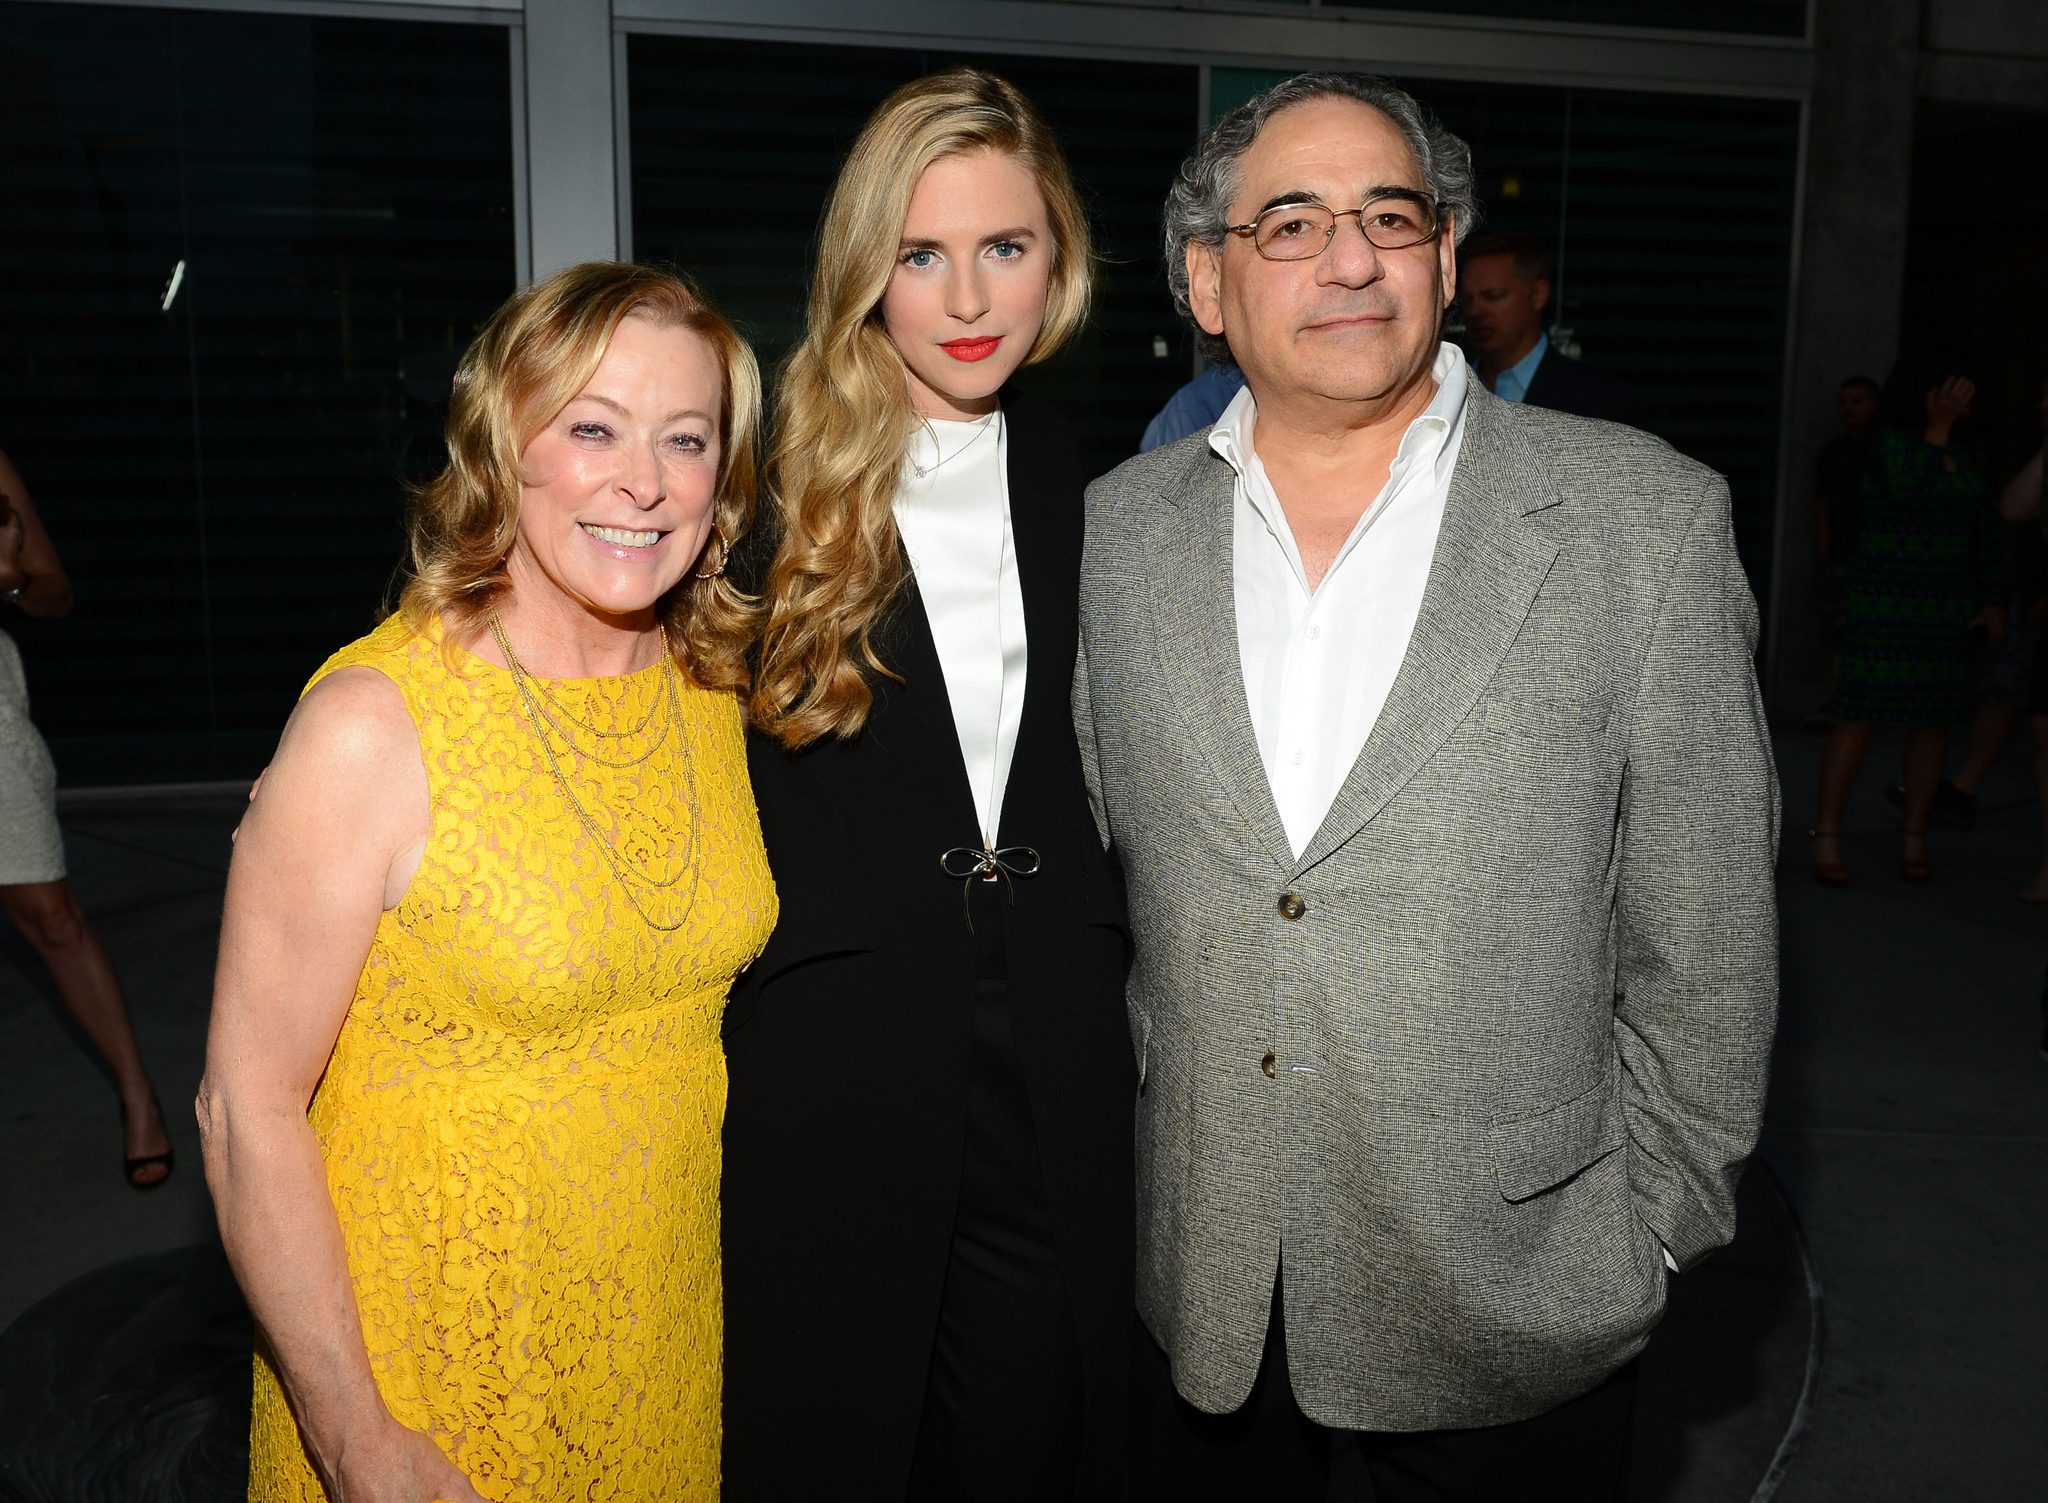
(552, 721)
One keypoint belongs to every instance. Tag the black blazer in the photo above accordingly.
(1564, 385)
(848, 1044)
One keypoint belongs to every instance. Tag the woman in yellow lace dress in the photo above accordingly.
(483, 916)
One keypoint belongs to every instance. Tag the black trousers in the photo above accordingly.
(1003, 1402)
(1270, 1450)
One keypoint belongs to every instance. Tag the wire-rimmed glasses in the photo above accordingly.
(1393, 220)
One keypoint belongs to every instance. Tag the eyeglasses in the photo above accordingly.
(1297, 232)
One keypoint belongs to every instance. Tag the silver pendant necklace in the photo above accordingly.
(944, 459)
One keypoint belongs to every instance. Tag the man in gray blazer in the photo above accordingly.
(1426, 728)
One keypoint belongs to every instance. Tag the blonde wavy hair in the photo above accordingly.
(843, 405)
(538, 350)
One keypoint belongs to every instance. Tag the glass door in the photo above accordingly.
(242, 255)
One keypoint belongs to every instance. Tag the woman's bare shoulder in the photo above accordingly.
(353, 736)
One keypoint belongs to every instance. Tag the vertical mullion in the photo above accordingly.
(522, 218)
(622, 144)
(572, 198)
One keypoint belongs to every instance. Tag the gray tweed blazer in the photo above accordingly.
(1504, 1027)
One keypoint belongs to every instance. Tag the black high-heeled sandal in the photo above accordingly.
(168, 1158)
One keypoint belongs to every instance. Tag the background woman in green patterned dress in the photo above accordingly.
(1921, 600)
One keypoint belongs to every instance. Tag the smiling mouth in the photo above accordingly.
(972, 349)
(620, 537)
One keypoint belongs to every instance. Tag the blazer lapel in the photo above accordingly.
(1045, 525)
(913, 727)
(1195, 624)
(1489, 564)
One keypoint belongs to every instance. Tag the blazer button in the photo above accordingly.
(1291, 906)
(1267, 1064)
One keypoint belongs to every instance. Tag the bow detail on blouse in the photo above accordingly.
(965, 862)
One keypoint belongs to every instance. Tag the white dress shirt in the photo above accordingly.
(1318, 664)
(953, 511)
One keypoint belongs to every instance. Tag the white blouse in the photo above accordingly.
(953, 511)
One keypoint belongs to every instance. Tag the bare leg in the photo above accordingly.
(1926, 749)
(48, 915)
(1840, 761)
(1989, 732)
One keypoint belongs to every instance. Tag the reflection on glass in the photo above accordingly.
(240, 257)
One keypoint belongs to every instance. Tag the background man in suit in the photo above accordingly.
(1425, 726)
(1506, 286)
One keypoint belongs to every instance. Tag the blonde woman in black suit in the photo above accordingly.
(928, 1183)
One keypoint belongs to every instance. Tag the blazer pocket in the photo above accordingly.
(1541, 1152)
(1545, 715)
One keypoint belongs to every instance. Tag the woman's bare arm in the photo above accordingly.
(28, 559)
(330, 841)
(2021, 501)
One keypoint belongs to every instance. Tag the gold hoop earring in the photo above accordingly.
(724, 553)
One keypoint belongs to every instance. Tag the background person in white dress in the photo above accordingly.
(33, 888)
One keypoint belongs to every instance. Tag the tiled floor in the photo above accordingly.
(151, 881)
(1909, 1121)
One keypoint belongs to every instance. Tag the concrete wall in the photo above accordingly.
(1859, 156)
(1995, 28)
(1986, 52)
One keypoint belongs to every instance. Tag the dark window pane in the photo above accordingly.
(225, 480)
(1784, 18)
(722, 128)
(1672, 217)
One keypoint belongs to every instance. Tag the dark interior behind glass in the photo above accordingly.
(225, 479)
(1784, 18)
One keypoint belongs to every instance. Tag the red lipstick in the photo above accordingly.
(980, 347)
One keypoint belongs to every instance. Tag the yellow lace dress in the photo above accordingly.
(522, 1115)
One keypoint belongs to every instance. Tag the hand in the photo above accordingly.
(236, 832)
(1947, 405)
(12, 535)
(400, 1466)
(1992, 620)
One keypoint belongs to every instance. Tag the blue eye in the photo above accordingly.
(589, 430)
(689, 443)
(1006, 250)
(920, 259)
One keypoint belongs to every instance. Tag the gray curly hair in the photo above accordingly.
(1198, 204)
